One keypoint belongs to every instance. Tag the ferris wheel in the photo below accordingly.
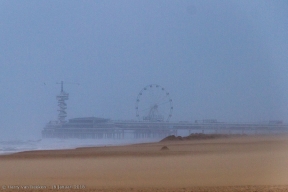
(154, 104)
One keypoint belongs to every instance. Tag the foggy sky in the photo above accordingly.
(224, 60)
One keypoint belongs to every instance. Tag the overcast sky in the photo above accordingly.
(224, 60)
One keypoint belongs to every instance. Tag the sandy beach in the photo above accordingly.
(246, 163)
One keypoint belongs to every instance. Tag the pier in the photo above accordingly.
(99, 128)
(153, 116)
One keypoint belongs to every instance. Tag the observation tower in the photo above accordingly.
(62, 105)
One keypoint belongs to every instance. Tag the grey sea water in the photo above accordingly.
(17, 145)
(14, 146)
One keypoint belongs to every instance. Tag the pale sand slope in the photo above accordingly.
(243, 162)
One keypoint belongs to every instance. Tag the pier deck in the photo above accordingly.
(96, 128)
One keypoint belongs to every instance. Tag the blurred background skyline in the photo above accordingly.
(224, 60)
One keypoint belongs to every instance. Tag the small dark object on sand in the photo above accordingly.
(164, 148)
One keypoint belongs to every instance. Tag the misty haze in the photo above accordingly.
(208, 76)
(223, 60)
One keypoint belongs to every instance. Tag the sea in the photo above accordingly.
(14, 146)
(9, 146)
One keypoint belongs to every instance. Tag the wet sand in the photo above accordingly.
(249, 163)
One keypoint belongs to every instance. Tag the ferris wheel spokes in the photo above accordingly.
(154, 104)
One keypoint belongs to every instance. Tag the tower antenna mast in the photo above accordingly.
(62, 97)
